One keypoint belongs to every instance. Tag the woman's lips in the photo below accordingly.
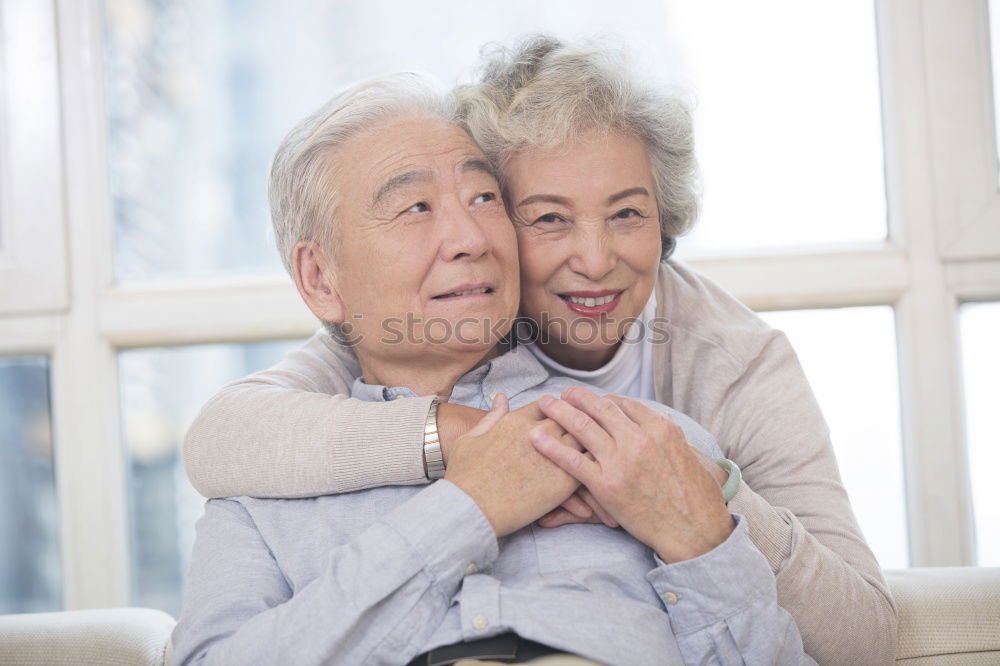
(599, 308)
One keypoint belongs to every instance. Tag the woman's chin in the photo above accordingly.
(582, 356)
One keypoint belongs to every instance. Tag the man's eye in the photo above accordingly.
(418, 208)
(485, 197)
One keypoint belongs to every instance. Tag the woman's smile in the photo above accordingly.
(592, 303)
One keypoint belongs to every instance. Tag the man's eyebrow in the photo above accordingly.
(627, 193)
(398, 181)
(482, 166)
(544, 198)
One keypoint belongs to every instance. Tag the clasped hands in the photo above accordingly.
(590, 458)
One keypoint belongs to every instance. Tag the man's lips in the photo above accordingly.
(477, 290)
(592, 303)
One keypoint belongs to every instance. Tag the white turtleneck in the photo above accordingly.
(630, 370)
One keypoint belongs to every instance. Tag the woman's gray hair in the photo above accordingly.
(541, 93)
(302, 195)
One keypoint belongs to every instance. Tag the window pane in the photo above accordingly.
(994, 10)
(788, 127)
(849, 356)
(200, 92)
(30, 573)
(980, 324)
(162, 391)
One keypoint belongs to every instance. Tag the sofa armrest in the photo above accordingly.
(947, 611)
(112, 636)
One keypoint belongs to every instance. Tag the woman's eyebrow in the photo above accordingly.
(545, 198)
(627, 193)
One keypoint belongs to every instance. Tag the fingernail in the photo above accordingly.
(545, 400)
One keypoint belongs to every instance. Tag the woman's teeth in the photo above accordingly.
(591, 302)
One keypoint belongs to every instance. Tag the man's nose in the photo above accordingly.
(463, 234)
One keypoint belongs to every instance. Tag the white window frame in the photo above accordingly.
(32, 246)
(942, 195)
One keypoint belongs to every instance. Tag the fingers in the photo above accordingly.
(500, 407)
(500, 403)
(578, 507)
(569, 460)
(603, 410)
(559, 517)
(596, 508)
(586, 430)
(638, 412)
(648, 418)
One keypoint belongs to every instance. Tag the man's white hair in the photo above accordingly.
(302, 194)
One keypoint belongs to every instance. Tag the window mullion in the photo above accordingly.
(933, 439)
(90, 464)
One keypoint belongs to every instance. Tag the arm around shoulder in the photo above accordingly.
(293, 431)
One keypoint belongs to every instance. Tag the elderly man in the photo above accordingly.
(391, 213)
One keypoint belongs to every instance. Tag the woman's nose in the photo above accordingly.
(594, 256)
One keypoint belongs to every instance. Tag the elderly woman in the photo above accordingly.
(598, 175)
(453, 571)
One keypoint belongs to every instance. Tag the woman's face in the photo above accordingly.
(589, 241)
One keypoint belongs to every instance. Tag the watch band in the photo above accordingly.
(433, 456)
(732, 484)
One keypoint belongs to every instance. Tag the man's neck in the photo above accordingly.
(430, 375)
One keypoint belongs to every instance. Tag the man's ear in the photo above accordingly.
(315, 280)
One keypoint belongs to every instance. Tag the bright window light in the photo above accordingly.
(849, 357)
(980, 326)
(200, 92)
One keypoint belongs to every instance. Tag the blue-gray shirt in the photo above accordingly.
(381, 575)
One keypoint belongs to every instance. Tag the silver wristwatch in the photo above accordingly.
(433, 456)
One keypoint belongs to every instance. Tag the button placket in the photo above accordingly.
(480, 606)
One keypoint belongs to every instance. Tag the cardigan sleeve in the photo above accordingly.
(293, 431)
(799, 514)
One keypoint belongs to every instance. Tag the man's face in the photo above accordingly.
(426, 258)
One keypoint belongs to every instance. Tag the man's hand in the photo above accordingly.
(453, 422)
(642, 470)
(496, 465)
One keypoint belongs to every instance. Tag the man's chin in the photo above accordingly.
(465, 348)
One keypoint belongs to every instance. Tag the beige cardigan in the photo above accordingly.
(291, 431)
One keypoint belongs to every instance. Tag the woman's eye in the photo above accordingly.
(548, 218)
(626, 213)
(418, 208)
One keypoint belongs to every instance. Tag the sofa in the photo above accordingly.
(947, 617)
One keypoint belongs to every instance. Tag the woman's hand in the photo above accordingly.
(581, 507)
(641, 470)
(496, 465)
(455, 421)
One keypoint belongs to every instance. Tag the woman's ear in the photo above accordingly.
(315, 280)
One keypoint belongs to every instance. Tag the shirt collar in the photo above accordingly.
(510, 373)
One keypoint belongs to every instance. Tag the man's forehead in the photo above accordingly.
(406, 151)
(422, 174)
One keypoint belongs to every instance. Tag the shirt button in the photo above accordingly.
(480, 622)
(670, 598)
(471, 569)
